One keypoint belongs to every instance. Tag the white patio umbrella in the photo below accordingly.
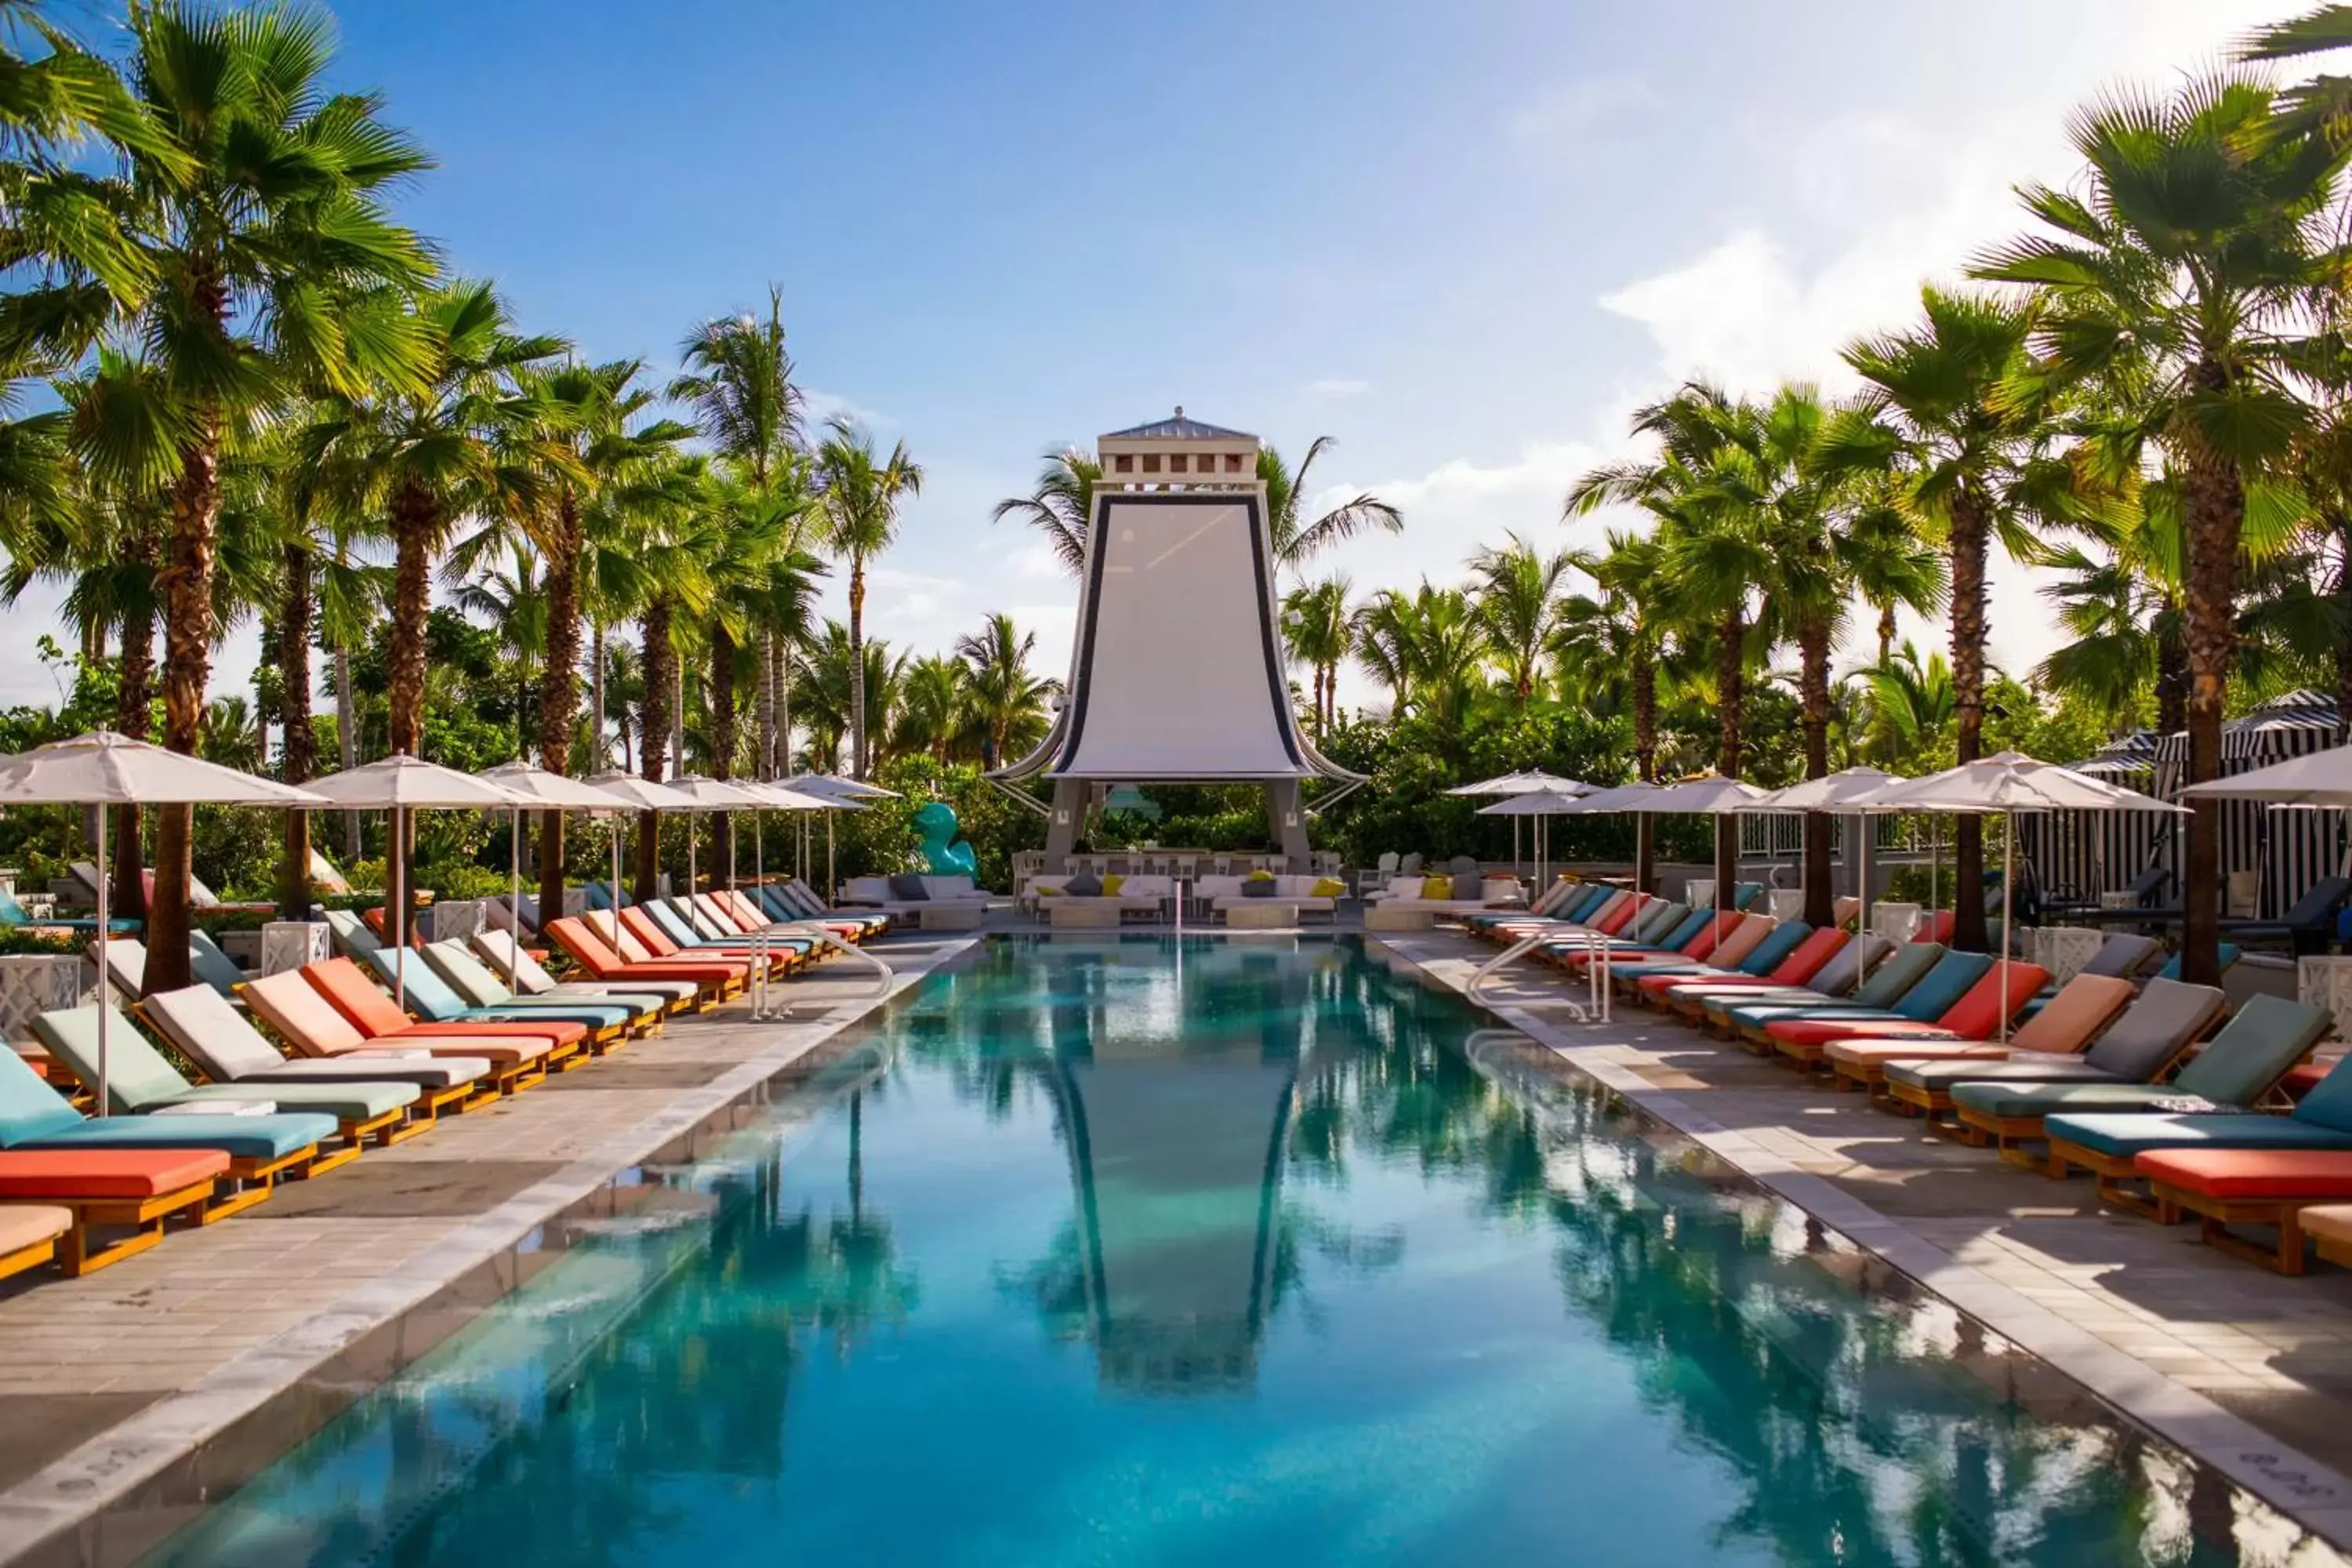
(1541, 804)
(1528, 780)
(1838, 794)
(839, 794)
(103, 768)
(2319, 781)
(708, 795)
(548, 792)
(643, 794)
(401, 784)
(2005, 786)
(772, 797)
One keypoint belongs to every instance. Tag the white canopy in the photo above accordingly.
(642, 794)
(831, 786)
(778, 797)
(1177, 671)
(711, 795)
(545, 791)
(1635, 797)
(1709, 794)
(2320, 780)
(103, 768)
(1848, 790)
(1524, 784)
(401, 783)
(2013, 782)
(1538, 803)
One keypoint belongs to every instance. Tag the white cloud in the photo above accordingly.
(1337, 388)
(821, 408)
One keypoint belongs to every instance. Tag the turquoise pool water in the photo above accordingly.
(1140, 1253)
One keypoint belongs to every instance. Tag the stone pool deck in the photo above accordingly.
(172, 1371)
(2247, 1371)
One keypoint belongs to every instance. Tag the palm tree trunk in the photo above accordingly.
(784, 654)
(856, 667)
(1644, 675)
(559, 687)
(294, 714)
(185, 587)
(1885, 632)
(596, 753)
(2217, 510)
(1969, 542)
(723, 741)
(2171, 683)
(1731, 694)
(654, 721)
(1813, 698)
(2339, 526)
(415, 517)
(767, 700)
(347, 746)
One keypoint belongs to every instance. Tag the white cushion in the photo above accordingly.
(867, 890)
(948, 887)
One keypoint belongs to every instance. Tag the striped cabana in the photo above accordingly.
(2078, 854)
(2289, 848)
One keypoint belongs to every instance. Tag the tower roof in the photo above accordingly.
(1178, 427)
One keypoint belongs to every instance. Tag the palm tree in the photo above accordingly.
(860, 500)
(265, 265)
(2172, 286)
(1520, 607)
(1912, 704)
(1625, 629)
(1318, 624)
(1941, 412)
(738, 378)
(834, 679)
(1008, 701)
(1293, 538)
(1427, 648)
(1060, 507)
(931, 707)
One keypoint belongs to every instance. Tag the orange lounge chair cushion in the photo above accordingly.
(24, 1225)
(2252, 1173)
(105, 1172)
(1863, 1053)
(376, 1015)
(600, 961)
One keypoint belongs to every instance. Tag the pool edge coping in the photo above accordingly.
(76, 1491)
(2234, 1446)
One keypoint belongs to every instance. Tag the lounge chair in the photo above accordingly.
(2236, 1067)
(794, 901)
(2106, 1142)
(454, 965)
(1878, 996)
(29, 1234)
(429, 998)
(1760, 959)
(1710, 937)
(299, 1014)
(2163, 1021)
(110, 1189)
(690, 930)
(716, 978)
(262, 1150)
(126, 965)
(501, 952)
(1936, 927)
(1991, 1001)
(2063, 1025)
(1789, 963)
(1836, 979)
(2303, 1192)
(1734, 949)
(140, 1082)
(12, 913)
(2309, 925)
(753, 916)
(225, 1046)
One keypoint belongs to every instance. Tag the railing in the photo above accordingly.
(761, 1003)
(1593, 1009)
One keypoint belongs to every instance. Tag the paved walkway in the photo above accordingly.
(106, 1381)
(2227, 1361)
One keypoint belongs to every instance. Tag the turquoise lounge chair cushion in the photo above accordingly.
(1884, 988)
(1778, 943)
(209, 963)
(35, 1116)
(2253, 1050)
(1941, 986)
(431, 997)
(12, 913)
(2114, 1134)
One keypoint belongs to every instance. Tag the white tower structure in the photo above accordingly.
(1177, 674)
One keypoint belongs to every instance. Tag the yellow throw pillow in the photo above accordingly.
(1437, 887)
(1329, 888)
(1049, 892)
(1260, 875)
(1111, 886)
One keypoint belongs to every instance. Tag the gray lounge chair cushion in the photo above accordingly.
(2157, 1026)
(2121, 955)
(1410, 866)
(908, 886)
(1942, 1075)
(2253, 1050)
(1084, 885)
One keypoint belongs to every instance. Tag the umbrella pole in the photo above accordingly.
(2008, 879)
(616, 883)
(514, 902)
(690, 859)
(831, 886)
(105, 822)
(399, 926)
(1869, 832)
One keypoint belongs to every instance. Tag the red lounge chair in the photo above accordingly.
(2225, 1188)
(141, 1188)
(1936, 927)
(594, 954)
(1975, 1016)
(1804, 961)
(2066, 1026)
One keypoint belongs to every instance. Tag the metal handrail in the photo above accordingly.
(816, 932)
(1593, 1009)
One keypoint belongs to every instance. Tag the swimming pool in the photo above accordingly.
(1178, 1251)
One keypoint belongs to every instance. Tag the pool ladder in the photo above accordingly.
(763, 1003)
(1593, 1009)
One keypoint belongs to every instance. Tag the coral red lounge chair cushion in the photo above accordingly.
(105, 1172)
(2227, 1174)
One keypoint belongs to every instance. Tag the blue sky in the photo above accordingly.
(1463, 239)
